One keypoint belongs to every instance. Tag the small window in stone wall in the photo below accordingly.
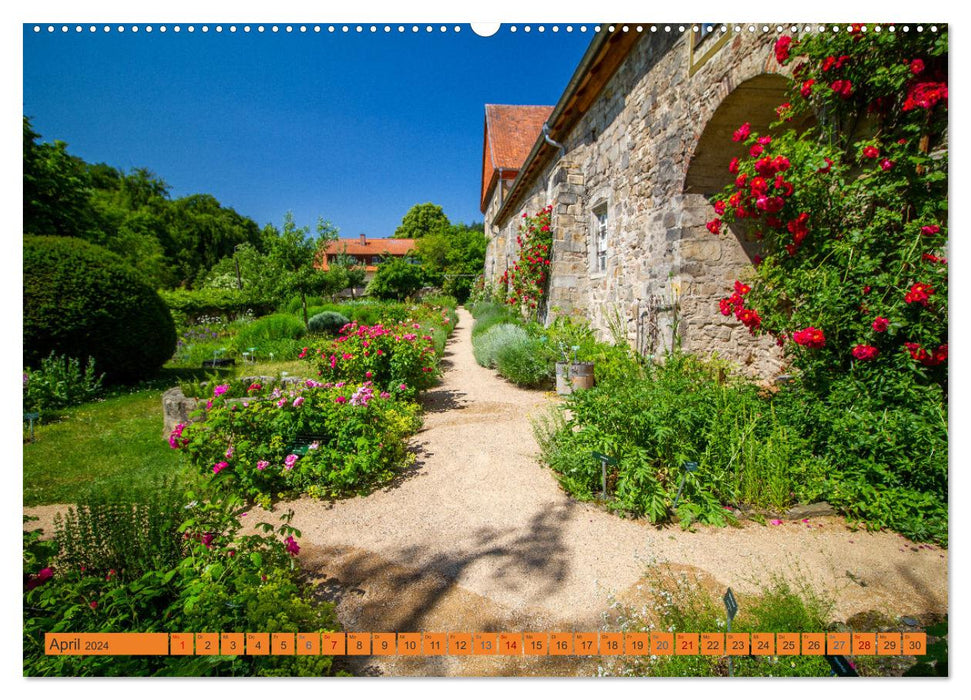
(600, 237)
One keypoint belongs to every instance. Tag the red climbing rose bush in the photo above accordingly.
(847, 194)
(528, 278)
(846, 198)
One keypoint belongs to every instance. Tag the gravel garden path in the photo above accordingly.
(477, 536)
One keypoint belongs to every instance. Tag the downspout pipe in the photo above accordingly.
(546, 136)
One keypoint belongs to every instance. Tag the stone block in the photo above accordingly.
(176, 408)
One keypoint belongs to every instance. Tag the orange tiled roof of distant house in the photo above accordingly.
(363, 246)
(510, 132)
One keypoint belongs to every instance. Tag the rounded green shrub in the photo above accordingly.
(486, 345)
(523, 362)
(82, 300)
(327, 322)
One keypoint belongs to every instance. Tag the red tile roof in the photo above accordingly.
(370, 246)
(510, 132)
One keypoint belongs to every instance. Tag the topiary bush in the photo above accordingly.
(81, 300)
(327, 322)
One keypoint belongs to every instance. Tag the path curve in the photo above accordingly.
(479, 536)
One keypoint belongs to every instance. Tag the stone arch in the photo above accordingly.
(753, 101)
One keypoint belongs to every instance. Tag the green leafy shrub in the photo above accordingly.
(493, 317)
(58, 383)
(327, 322)
(82, 301)
(272, 327)
(486, 346)
(524, 362)
(219, 581)
(191, 306)
(322, 439)
(396, 279)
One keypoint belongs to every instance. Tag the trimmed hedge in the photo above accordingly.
(82, 300)
(189, 305)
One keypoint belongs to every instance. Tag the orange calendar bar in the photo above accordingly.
(611, 643)
(915, 643)
(511, 643)
(763, 644)
(308, 643)
(737, 643)
(637, 643)
(207, 643)
(662, 643)
(106, 644)
(838, 643)
(332, 643)
(489, 643)
(409, 643)
(561, 643)
(257, 643)
(686, 643)
(485, 643)
(358, 643)
(459, 643)
(181, 644)
(433, 643)
(536, 643)
(383, 644)
(787, 644)
(813, 643)
(712, 644)
(232, 643)
(864, 643)
(888, 643)
(283, 644)
(585, 644)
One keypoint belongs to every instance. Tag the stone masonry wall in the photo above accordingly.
(631, 152)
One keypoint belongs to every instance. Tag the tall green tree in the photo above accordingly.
(295, 251)
(56, 188)
(452, 258)
(422, 220)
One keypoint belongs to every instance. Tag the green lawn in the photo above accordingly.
(112, 443)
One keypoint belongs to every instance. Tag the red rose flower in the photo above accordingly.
(733, 166)
(756, 150)
(742, 132)
(741, 288)
(826, 168)
(881, 324)
(810, 337)
(930, 230)
(917, 66)
(714, 226)
(925, 95)
(719, 207)
(871, 152)
(725, 306)
(919, 294)
(865, 352)
(782, 111)
(782, 49)
(843, 88)
(807, 88)
(886, 164)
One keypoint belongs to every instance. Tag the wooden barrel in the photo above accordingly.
(563, 386)
(581, 374)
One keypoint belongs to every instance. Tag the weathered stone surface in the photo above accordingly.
(176, 408)
(634, 150)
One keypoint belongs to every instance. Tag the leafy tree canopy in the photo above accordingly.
(422, 220)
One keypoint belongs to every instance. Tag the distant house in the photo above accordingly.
(366, 252)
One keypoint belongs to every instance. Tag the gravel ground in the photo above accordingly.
(477, 536)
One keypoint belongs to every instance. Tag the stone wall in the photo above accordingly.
(639, 151)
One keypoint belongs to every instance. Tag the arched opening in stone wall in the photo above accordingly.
(709, 264)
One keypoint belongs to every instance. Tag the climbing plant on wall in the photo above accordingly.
(851, 211)
(528, 279)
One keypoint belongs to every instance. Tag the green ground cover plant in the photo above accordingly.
(151, 561)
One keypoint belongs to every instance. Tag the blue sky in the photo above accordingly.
(355, 128)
